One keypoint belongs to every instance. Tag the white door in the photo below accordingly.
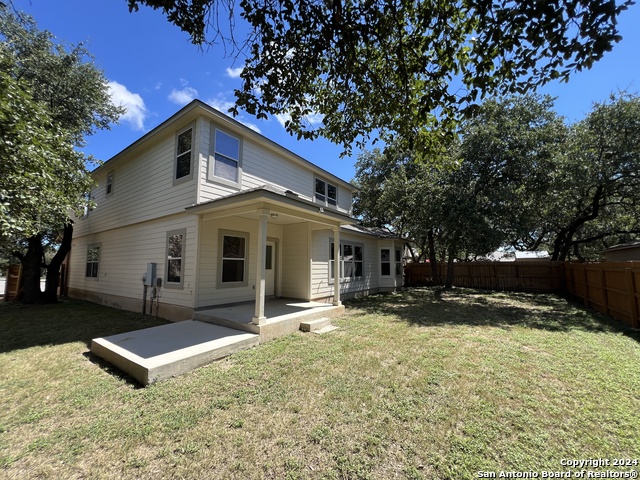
(270, 267)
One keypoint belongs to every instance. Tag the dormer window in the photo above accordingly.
(326, 193)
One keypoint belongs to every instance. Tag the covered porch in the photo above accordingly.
(256, 245)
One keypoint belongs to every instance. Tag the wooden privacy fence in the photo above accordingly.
(612, 288)
(527, 276)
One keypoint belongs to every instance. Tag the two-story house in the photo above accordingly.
(227, 216)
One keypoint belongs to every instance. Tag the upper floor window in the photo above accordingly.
(110, 183)
(226, 157)
(326, 193)
(184, 143)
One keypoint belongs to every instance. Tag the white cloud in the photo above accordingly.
(221, 104)
(252, 126)
(313, 119)
(234, 72)
(283, 118)
(136, 111)
(184, 96)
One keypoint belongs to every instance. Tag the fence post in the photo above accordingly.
(632, 295)
(603, 289)
(585, 297)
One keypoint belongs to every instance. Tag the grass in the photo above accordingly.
(420, 384)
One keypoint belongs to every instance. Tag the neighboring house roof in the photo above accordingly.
(246, 131)
(374, 232)
(624, 246)
(532, 255)
(499, 256)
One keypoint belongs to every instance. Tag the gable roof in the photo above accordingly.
(624, 246)
(196, 107)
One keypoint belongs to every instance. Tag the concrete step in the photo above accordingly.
(313, 325)
(158, 353)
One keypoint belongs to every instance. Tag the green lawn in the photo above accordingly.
(420, 384)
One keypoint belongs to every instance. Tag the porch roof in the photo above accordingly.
(268, 195)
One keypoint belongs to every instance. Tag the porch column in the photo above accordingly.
(261, 273)
(336, 266)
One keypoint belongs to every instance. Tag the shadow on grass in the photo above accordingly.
(112, 370)
(462, 306)
(69, 320)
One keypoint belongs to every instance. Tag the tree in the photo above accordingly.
(50, 98)
(497, 175)
(594, 198)
(524, 179)
(397, 68)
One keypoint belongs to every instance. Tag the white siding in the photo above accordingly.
(321, 287)
(208, 265)
(295, 261)
(262, 166)
(143, 187)
(124, 254)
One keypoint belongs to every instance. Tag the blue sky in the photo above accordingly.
(154, 70)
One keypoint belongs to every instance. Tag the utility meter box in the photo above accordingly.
(150, 277)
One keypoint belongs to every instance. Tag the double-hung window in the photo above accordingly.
(184, 144)
(234, 255)
(93, 261)
(351, 261)
(175, 258)
(326, 193)
(226, 158)
(385, 262)
(398, 262)
(110, 176)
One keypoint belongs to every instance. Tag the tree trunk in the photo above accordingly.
(53, 269)
(435, 275)
(449, 280)
(31, 268)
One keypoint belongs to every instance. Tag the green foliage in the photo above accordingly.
(42, 176)
(397, 67)
(522, 178)
(595, 191)
(51, 96)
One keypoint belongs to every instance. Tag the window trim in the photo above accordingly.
(324, 202)
(211, 176)
(342, 269)
(189, 176)
(389, 262)
(97, 276)
(247, 257)
(110, 183)
(167, 283)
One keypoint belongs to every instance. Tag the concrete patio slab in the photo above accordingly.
(283, 316)
(158, 353)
